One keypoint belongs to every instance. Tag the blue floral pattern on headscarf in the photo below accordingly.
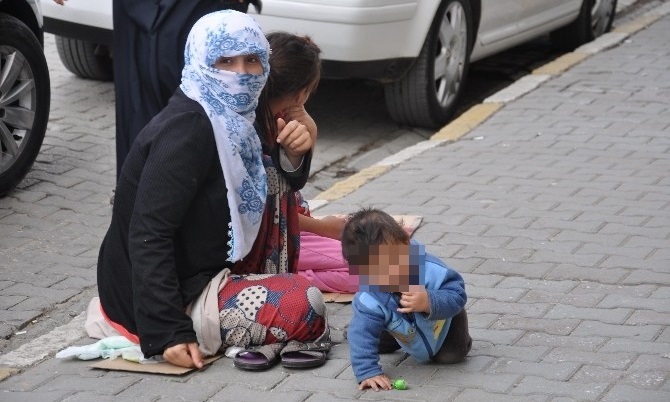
(230, 100)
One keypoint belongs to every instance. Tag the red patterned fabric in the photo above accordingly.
(278, 242)
(286, 305)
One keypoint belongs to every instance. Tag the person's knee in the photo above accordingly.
(458, 343)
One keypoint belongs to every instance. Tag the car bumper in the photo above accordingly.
(356, 30)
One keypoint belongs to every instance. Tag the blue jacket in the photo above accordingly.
(421, 335)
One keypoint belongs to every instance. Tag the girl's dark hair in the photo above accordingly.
(369, 227)
(295, 64)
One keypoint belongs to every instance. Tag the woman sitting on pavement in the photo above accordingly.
(191, 197)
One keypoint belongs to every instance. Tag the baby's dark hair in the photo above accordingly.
(369, 227)
(295, 65)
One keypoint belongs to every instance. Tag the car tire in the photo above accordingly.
(428, 95)
(595, 18)
(85, 59)
(25, 97)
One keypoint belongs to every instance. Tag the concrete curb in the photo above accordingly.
(479, 113)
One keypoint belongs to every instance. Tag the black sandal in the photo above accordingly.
(258, 358)
(304, 355)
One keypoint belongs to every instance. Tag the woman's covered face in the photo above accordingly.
(242, 64)
(226, 63)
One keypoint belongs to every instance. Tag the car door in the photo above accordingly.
(498, 21)
(536, 14)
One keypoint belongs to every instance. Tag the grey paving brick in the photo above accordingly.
(542, 244)
(640, 277)
(655, 304)
(616, 361)
(504, 266)
(587, 260)
(241, 393)
(591, 343)
(633, 332)
(651, 362)
(572, 298)
(604, 289)
(535, 310)
(550, 371)
(623, 392)
(476, 395)
(17, 318)
(587, 273)
(522, 353)
(497, 336)
(537, 284)
(550, 326)
(150, 388)
(609, 315)
(40, 396)
(88, 396)
(484, 281)
(100, 385)
(481, 321)
(306, 382)
(537, 385)
(499, 382)
(652, 380)
(10, 301)
(498, 294)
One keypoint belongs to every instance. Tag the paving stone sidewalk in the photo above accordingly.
(556, 210)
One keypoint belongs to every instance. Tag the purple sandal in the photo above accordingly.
(304, 355)
(258, 358)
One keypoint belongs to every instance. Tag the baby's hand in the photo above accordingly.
(377, 382)
(414, 302)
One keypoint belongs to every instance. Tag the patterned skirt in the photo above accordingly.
(264, 309)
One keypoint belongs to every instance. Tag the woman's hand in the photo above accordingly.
(377, 382)
(184, 355)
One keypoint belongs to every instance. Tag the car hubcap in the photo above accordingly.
(450, 54)
(601, 14)
(17, 105)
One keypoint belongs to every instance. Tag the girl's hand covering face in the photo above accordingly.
(242, 64)
(294, 137)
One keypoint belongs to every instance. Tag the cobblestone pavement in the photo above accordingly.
(556, 210)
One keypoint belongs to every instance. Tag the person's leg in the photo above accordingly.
(322, 263)
(458, 342)
(387, 343)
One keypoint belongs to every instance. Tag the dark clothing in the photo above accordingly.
(169, 230)
(148, 48)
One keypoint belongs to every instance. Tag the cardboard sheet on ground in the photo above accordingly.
(409, 222)
(166, 368)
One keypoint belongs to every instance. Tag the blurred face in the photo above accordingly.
(280, 107)
(243, 64)
(390, 268)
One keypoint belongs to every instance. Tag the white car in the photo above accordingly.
(420, 49)
(25, 89)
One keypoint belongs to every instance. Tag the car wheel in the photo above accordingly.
(428, 94)
(85, 59)
(595, 18)
(24, 100)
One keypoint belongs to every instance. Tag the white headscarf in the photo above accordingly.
(230, 100)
